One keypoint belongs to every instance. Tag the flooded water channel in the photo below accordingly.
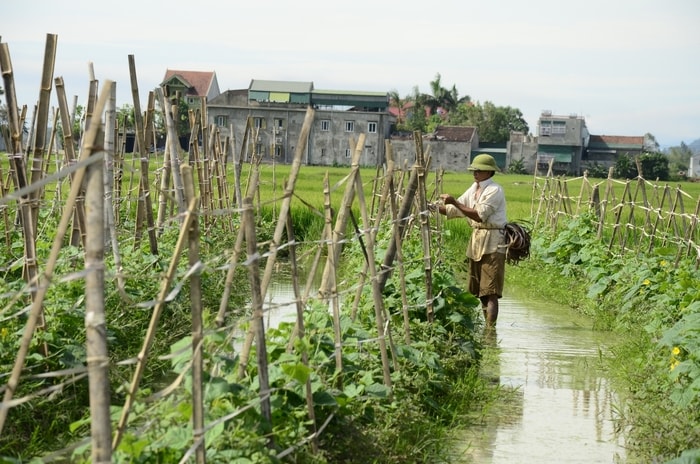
(559, 407)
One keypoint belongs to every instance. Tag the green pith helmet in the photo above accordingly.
(483, 163)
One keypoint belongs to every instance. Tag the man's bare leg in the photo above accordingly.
(489, 305)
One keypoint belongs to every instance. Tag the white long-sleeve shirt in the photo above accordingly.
(488, 235)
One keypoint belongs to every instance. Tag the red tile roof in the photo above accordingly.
(199, 82)
(610, 140)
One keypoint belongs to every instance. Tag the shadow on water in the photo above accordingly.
(557, 405)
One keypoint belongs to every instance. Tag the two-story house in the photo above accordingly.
(604, 150)
(566, 143)
(193, 86)
(278, 108)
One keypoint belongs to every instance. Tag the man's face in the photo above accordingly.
(480, 176)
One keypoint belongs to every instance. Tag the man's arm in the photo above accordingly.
(448, 199)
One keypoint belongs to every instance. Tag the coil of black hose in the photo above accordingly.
(517, 242)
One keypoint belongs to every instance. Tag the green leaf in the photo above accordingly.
(378, 390)
(297, 371)
(323, 398)
(216, 388)
(353, 390)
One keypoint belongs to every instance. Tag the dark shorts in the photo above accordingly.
(487, 275)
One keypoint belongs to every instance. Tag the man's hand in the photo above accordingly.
(448, 199)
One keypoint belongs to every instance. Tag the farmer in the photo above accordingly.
(484, 206)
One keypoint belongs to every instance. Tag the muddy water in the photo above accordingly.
(559, 406)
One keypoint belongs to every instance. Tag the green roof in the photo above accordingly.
(258, 85)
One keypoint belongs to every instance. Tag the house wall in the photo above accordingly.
(522, 147)
(450, 156)
(334, 146)
(694, 167)
(568, 132)
(324, 147)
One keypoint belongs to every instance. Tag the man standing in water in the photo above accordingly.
(484, 207)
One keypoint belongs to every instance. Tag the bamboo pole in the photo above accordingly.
(197, 326)
(233, 262)
(399, 259)
(164, 187)
(300, 332)
(257, 306)
(332, 285)
(143, 135)
(281, 221)
(341, 221)
(173, 152)
(42, 281)
(376, 290)
(42, 120)
(238, 164)
(400, 225)
(95, 325)
(79, 227)
(19, 175)
(108, 180)
(69, 150)
(424, 216)
(153, 325)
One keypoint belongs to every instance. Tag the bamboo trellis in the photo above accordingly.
(193, 196)
(633, 216)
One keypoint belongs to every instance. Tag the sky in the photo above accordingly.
(629, 67)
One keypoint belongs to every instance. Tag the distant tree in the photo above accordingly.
(679, 158)
(625, 167)
(125, 117)
(650, 143)
(494, 123)
(654, 166)
(400, 104)
(416, 120)
(440, 97)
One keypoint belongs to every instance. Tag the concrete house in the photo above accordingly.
(449, 147)
(277, 110)
(566, 142)
(604, 150)
(193, 86)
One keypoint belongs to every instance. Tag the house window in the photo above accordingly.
(222, 121)
(348, 153)
(372, 127)
(349, 126)
(259, 123)
(323, 152)
(545, 127)
(260, 149)
(559, 128)
(325, 125)
(279, 123)
(278, 151)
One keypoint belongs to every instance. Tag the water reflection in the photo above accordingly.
(559, 408)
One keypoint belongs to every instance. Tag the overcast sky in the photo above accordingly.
(629, 67)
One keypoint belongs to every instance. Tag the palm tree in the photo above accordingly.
(400, 104)
(441, 97)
